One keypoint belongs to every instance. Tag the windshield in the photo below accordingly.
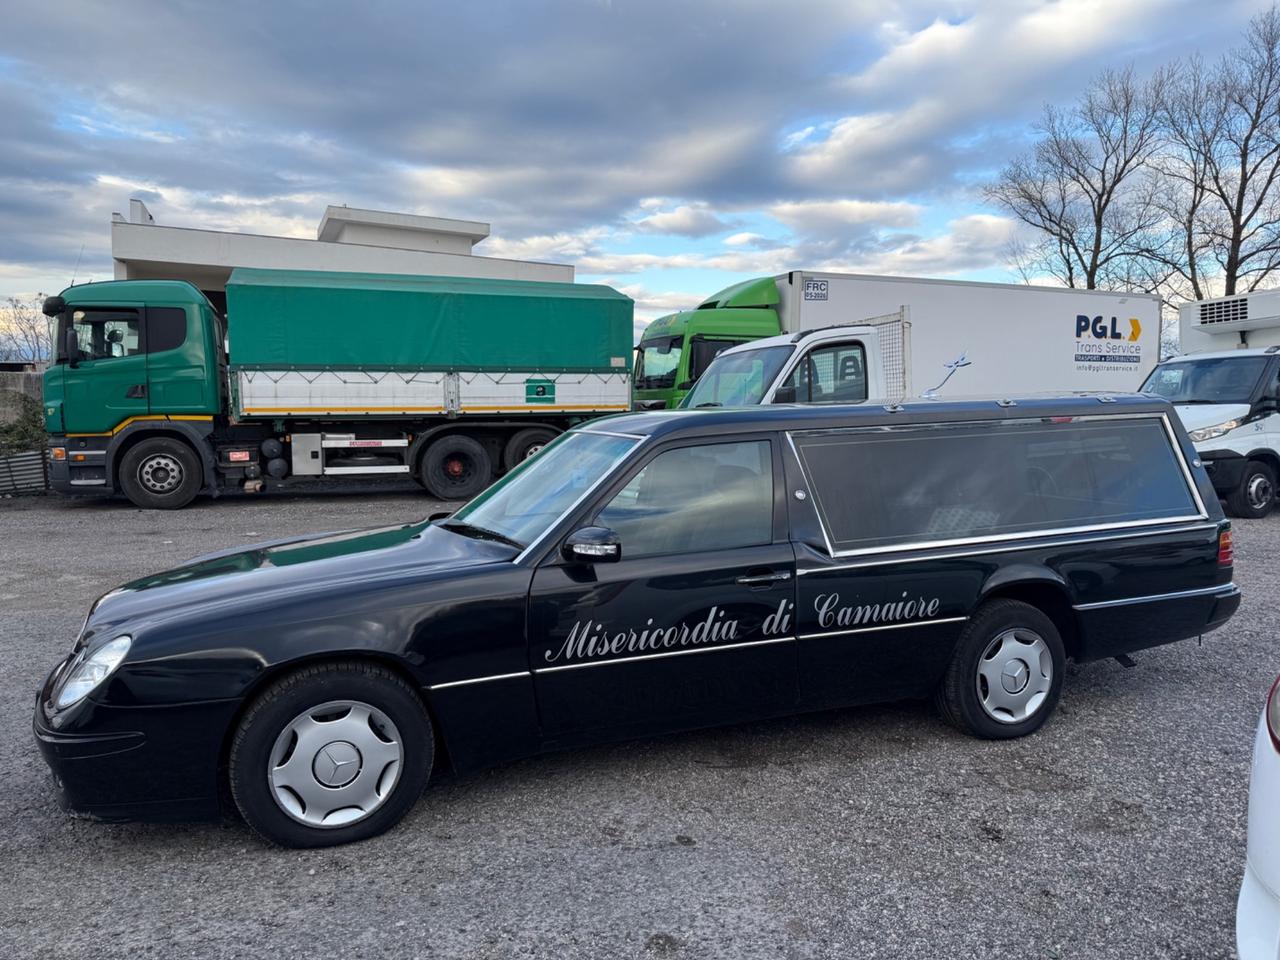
(738, 379)
(656, 362)
(1212, 380)
(529, 499)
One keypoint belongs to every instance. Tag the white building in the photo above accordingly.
(365, 241)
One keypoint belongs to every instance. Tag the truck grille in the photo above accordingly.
(1225, 311)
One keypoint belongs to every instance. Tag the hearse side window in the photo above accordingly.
(922, 484)
(712, 497)
(166, 328)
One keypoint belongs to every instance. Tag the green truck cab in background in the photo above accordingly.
(314, 375)
(674, 350)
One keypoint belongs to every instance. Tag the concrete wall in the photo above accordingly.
(11, 386)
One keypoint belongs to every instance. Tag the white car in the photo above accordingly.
(1258, 911)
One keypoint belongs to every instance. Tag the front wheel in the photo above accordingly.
(160, 474)
(1005, 675)
(1255, 497)
(331, 754)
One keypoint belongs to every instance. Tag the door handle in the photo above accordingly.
(760, 579)
(136, 391)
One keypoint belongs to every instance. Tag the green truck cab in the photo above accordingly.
(674, 350)
(314, 375)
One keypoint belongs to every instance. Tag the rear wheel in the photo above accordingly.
(1005, 676)
(160, 474)
(1255, 497)
(524, 445)
(455, 467)
(331, 754)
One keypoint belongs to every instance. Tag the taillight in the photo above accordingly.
(1226, 555)
(1273, 714)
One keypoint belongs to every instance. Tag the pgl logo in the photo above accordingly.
(1101, 330)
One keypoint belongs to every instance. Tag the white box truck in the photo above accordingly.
(953, 338)
(1225, 384)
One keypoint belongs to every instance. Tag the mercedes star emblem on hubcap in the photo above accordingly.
(1014, 676)
(336, 764)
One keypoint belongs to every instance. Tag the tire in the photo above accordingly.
(1006, 632)
(525, 444)
(380, 730)
(455, 467)
(1255, 497)
(160, 474)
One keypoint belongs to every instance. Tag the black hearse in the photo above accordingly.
(647, 573)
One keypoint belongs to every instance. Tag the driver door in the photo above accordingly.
(108, 384)
(692, 626)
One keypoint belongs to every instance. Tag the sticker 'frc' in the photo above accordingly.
(589, 640)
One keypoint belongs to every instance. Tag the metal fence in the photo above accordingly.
(23, 473)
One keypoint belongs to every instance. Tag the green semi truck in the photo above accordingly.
(315, 375)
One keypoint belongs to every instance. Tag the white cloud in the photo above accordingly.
(742, 239)
(685, 220)
(971, 243)
(837, 216)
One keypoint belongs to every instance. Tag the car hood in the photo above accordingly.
(289, 570)
(1195, 416)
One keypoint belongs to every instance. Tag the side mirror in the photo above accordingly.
(650, 405)
(53, 306)
(71, 347)
(785, 394)
(593, 545)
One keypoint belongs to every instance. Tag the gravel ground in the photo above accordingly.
(1117, 831)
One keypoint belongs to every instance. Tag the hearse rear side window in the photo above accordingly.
(886, 488)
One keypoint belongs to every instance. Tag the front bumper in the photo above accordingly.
(1225, 469)
(124, 763)
(84, 469)
(1257, 919)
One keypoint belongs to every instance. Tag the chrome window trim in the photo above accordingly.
(614, 433)
(881, 626)
(537, 542)
(826, 538)
(1222, 589)
(977, 553)
(1020, 535)
(659, 656)
(468, 682)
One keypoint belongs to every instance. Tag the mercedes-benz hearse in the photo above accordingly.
(647, 573)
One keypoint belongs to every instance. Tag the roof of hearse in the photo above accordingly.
(797, 416)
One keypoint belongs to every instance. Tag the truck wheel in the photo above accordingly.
(1256, 495)
(333, 753)
(160, 474)
(455, 467)
(1005, 675)
(524, 445)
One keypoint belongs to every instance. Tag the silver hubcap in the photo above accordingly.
(532, 449)
(335, 764)
(160, 473)
(1258, 491)
(1014, 675)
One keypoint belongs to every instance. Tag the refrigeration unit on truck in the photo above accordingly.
(808, 332)
(323, 375)
(1225, 385)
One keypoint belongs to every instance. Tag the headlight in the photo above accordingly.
(91, 671)
(1212, 433)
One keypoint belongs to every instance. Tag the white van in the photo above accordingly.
(1229, 402)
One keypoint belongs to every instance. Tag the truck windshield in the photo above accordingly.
(738, 379)
(656, 363)
(529, 499)
(1210, 380)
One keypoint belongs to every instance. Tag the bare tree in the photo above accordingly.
(1220, 167)
(24, 329)
(1086, 191)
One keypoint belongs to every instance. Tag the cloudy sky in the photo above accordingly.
(666, 148)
